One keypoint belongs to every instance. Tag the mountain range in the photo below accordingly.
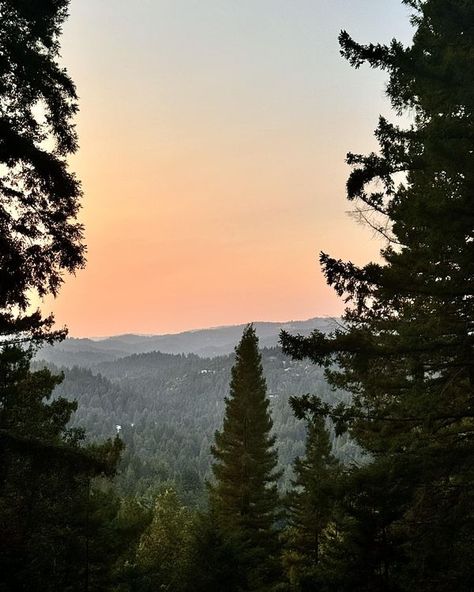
(207, 343)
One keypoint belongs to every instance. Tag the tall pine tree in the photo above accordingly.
(407, 353)
(310, 505)
(244, 497)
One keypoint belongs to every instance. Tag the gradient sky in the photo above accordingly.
(213, 135)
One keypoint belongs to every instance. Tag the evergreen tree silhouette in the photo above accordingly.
(40, 238)
(244, 497)
(405, 349)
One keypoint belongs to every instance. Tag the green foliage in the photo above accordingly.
(169, 406)
(165, 551)
(60, 530)
(39, 198)
(407, 351)
(23, 396)
(216, 562)
(243, 497)
(311, 507)
(45, 483)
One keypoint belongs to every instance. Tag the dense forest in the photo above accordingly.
(167, 407)
(378, 412)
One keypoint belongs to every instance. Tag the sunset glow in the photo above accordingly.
(213, 136)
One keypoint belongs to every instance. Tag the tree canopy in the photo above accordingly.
(406, 352)
(40, 237)
(244, 498)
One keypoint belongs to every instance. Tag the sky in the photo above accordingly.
(212, 136)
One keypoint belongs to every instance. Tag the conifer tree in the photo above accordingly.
(310, 505)
(39, 197)
(164, 552)
(244, 497)
(407, 352)
(45, 482)
(45, 472)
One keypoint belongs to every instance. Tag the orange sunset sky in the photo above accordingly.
(212, 142)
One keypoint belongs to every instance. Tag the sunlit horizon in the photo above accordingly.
(212, 147)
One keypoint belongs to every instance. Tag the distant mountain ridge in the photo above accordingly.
(209, 342)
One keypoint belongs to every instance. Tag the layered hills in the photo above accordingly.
(167, 406)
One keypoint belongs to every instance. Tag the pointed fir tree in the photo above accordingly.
(244, 498)
(407, 353)
(310, 505)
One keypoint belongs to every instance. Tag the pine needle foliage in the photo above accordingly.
(310, 507)
(244, 497)
(407, 350)
(40, 238)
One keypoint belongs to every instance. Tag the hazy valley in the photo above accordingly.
(167, 406)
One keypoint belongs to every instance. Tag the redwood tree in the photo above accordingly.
(406, 353)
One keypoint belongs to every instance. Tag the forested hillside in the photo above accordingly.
(167, 408)
(342, 462)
